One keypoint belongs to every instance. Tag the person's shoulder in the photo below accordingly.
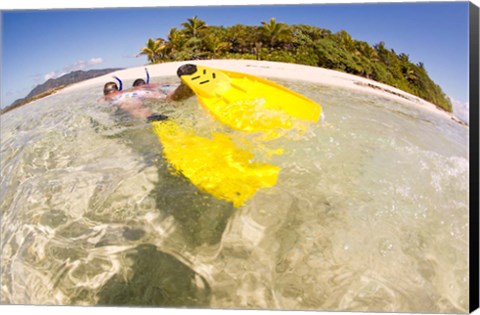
(112, 98)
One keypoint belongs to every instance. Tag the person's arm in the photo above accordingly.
(180, 93)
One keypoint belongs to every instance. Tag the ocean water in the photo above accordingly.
(370, 211)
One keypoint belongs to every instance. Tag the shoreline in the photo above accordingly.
(274, 70)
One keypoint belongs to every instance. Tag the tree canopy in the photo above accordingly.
(301, 44)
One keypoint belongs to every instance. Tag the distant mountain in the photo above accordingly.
(58, 83)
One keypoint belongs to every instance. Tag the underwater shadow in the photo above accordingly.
(201, 218)
(155, 279)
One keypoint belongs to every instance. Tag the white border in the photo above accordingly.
(56, 4)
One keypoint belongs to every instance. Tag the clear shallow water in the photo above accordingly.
(370, 212)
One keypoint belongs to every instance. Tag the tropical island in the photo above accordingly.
(299, 44)
(277, 42)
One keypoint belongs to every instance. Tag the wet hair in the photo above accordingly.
(110, 87)
(139, 82)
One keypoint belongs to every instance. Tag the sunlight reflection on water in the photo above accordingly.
(370, 212)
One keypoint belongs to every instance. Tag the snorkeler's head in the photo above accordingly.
(110, 87)
(139, 82)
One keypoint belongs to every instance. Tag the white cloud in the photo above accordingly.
(82, 64)
(77, 65)
(95, 61)
(49, 75)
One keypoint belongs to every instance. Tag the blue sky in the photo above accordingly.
(39, 44)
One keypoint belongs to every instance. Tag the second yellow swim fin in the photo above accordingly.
(215, 165)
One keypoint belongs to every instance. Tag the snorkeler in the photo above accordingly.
(131, 100)
(109, 88)
(140, 81)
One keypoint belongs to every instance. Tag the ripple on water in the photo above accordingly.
(370, 211)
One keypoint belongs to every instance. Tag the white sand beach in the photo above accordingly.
(270, 69)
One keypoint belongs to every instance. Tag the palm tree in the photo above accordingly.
(192, 47)
(366, 50)
(380, 47)
(216, 46)
(153, 50)
(409, 73)
(194, 26)
(258, 49)
(346, 40)
(174, 44)
(384, 54)
(404, 58)
(274, 32)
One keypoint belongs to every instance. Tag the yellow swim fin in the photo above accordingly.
(214, 165)
(245, 102)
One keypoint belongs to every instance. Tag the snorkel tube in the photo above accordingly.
(120, 84)
(148, 75)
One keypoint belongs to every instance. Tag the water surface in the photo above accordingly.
(370, 211)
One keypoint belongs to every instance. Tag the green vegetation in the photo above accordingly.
(301, 44)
